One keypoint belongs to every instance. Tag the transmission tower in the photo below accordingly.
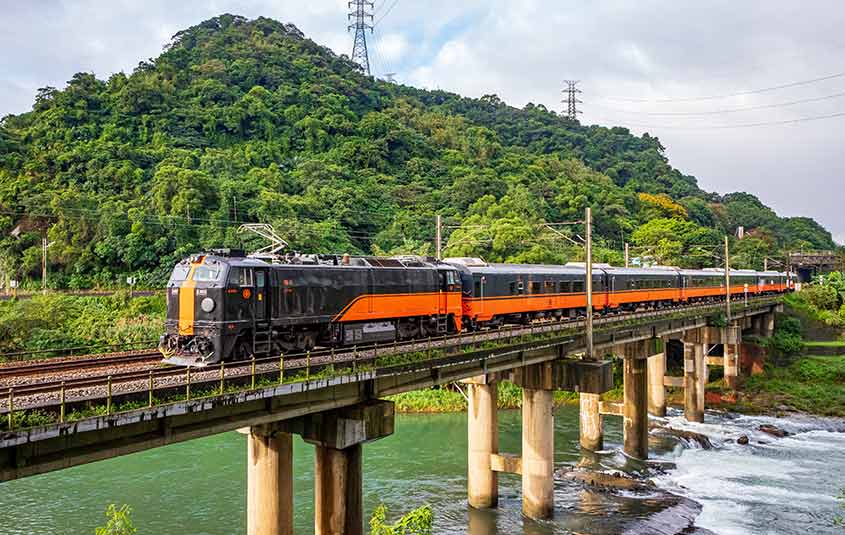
(358, 12)
(571, 101)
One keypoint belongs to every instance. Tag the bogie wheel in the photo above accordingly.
(243, 351)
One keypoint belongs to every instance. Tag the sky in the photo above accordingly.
(736, 91)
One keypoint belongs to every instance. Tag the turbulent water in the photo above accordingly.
(771, 486)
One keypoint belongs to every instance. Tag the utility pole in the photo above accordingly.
(571, 101)
(627, 255)
(588, 223)
(359, 12)
(44, 263)
(438, 236)
(766, 264)
(727, 281)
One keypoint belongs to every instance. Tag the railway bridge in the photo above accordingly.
(337, 404)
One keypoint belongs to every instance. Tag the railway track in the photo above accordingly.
(47, 393)
(86, 362)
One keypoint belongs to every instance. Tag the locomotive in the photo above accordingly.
(225, 305)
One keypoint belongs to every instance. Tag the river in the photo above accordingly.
(771, 486)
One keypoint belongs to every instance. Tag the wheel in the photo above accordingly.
(243, 351)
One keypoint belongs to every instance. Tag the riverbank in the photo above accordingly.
(812, 385)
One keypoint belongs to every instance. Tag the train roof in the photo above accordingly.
(525, 269)
(635, 272)
(237, 258)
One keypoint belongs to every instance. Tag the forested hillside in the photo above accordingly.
(249, 121)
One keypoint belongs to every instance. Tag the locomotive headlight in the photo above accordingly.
(207, 304)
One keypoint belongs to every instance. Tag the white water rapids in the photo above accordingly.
(772, 486)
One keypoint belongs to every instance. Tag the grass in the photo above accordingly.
(811, 384)
(449, 399)
(828, 343)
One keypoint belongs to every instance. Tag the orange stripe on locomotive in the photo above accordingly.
(375, 307)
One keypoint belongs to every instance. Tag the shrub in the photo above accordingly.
(118, 522)
(822, 297)
(417, 522)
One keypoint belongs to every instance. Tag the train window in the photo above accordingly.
(520, 287)
(578, 286)
(549, 287)
(536, 288)
(561, 287)
(207, 273)
(240, 277)
(180, 273)
(259, 279)
(477, 288)
(513, 288)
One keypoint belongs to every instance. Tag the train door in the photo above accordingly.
(442, 294)
(262, 295)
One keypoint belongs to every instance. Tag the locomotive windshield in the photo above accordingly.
(180, 273)
(207, 273)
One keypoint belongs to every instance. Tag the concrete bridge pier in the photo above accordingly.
(635, 409)
(591, 426)
(538, 439)
(482, 441)
(269, 481)
(338, 503)
(538, 449)
(656, 384)
(338, 436)
(768, 325)
(693, 375)
(731, 342)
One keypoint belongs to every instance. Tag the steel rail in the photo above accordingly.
(79, 363)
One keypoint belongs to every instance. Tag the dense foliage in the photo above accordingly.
(823, 300)
(96, 323)
(249, 121)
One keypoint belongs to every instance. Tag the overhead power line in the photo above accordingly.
(386, 13)
(733, 110)
(731, 95)
(731, 126)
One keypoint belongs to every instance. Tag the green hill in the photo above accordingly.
(249, 121)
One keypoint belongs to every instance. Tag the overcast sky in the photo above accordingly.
(684, 71)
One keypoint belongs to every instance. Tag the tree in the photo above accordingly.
(677, 242)
(118, 522)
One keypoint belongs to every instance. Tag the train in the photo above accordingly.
(225, 305)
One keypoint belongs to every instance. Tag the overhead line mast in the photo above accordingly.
(571, 101)
(359, 12)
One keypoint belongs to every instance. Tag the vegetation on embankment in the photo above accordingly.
(450, 399)
(52, 322)
(821, 303)
(814, 385)
(805, 368)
